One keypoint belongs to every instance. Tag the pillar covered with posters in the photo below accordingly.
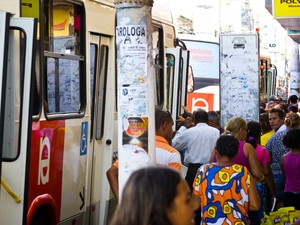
(135, 83)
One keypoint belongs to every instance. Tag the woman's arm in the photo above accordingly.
(269, 178)
(254, 202)
(255, 166)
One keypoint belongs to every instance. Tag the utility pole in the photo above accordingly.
(135, 87)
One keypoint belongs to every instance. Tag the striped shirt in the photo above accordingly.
(166, 155)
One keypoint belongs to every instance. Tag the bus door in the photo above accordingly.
(17, 117)
(102, 122)
(4, 31)
(173, 80)
(184, 78)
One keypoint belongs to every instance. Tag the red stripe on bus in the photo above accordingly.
(46, 164)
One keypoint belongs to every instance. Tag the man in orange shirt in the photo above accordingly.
(166, 155)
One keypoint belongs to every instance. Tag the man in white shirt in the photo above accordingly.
(198, 141)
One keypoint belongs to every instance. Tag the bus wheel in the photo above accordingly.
(41, 217)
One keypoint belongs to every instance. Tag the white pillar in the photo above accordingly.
(135, 83)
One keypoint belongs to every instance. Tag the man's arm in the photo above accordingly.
(178, 140)
(113, 178)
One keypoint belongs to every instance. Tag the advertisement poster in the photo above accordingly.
(135, 131)
(204, 58)
(204, 61)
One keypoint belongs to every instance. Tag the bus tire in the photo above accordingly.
(42, 217)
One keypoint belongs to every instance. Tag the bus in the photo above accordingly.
(205, 65)
(58, 112)
(268, 79)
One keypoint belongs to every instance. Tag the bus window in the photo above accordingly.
(190, 86)
(93, 69)
(32, 10)
(12, 116)
(164, 71)
(169, 81)
(64, 57)
(158, 54)
(101, 93)
(98, 75)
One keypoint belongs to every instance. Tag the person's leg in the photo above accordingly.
(262, 192)
(254, 217)
(191, 173)
(291, 199)
(190, 177)
(279, 186)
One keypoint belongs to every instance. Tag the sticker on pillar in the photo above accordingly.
(135, 131)
(83, 139)
(133, 100)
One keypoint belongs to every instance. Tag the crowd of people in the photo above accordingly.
(235, 173)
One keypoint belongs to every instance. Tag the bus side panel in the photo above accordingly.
(46, 162)
(58, 167)
(101, 23)
(74, 168)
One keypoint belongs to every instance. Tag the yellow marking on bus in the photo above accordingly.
(10, 191)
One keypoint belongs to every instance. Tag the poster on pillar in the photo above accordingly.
(135, 132)
(133, 102)
(132, 54)
(132, 71)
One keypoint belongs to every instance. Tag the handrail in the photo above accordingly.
(10, 191)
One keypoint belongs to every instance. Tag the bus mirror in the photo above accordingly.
(190, 80)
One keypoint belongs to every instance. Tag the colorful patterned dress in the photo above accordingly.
(224, 194)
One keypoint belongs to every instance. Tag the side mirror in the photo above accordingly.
(190, 86)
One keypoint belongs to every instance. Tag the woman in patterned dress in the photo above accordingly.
(225, 189)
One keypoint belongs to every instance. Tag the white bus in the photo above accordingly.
(58, 106)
